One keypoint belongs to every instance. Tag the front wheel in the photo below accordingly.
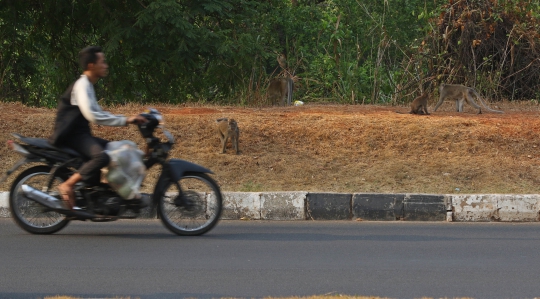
(30, 215)
(193, 211)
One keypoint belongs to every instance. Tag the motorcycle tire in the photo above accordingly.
(197, 211)
(30, 215)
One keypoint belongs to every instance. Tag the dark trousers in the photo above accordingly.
(92, 149)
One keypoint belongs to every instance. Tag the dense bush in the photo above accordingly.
(490, 44)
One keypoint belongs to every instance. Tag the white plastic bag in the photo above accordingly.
(126, 169)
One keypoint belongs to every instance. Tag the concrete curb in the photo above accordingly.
(303, 205)
(4, 204)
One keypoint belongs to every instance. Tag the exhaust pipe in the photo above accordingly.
(54, 203)
(42, 198)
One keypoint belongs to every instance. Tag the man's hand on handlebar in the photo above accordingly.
(137, 119)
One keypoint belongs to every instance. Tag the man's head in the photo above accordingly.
(92, 60)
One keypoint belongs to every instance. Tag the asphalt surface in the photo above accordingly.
(254, 259)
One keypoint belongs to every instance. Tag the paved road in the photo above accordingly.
(257, 259)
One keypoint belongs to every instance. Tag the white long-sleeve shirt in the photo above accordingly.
(84, 96)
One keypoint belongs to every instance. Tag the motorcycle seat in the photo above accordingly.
(43, 143)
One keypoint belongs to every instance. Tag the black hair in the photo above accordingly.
(88, 55)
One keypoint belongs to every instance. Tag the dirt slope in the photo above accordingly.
(339, 148)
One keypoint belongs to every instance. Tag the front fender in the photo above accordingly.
(174, 170)
(178, 167)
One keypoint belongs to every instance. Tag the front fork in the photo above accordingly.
(173, 170)
(167, 175)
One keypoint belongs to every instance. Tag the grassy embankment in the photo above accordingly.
(337, 148)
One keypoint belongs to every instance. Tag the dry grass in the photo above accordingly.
(338, 148)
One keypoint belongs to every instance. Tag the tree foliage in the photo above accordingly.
(225, 51)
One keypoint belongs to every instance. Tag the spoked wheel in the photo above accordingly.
(30, 215)
(196, 210)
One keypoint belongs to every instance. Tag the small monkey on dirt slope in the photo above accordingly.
(228, 128)
(460, 94)
(419, 105)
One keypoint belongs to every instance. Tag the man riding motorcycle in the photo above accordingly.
(77, 108)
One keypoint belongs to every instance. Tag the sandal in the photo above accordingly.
(68, 197)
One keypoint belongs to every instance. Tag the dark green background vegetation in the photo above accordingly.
(224, 51)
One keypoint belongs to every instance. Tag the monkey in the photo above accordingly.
(279, 88)
(461, 94)
(419, 105)
(228, 128)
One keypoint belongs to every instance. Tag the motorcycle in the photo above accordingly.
(185, 198)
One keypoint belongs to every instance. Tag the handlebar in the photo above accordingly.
(154, 120)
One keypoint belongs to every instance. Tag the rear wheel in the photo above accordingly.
(30, 215)
(196, 211)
